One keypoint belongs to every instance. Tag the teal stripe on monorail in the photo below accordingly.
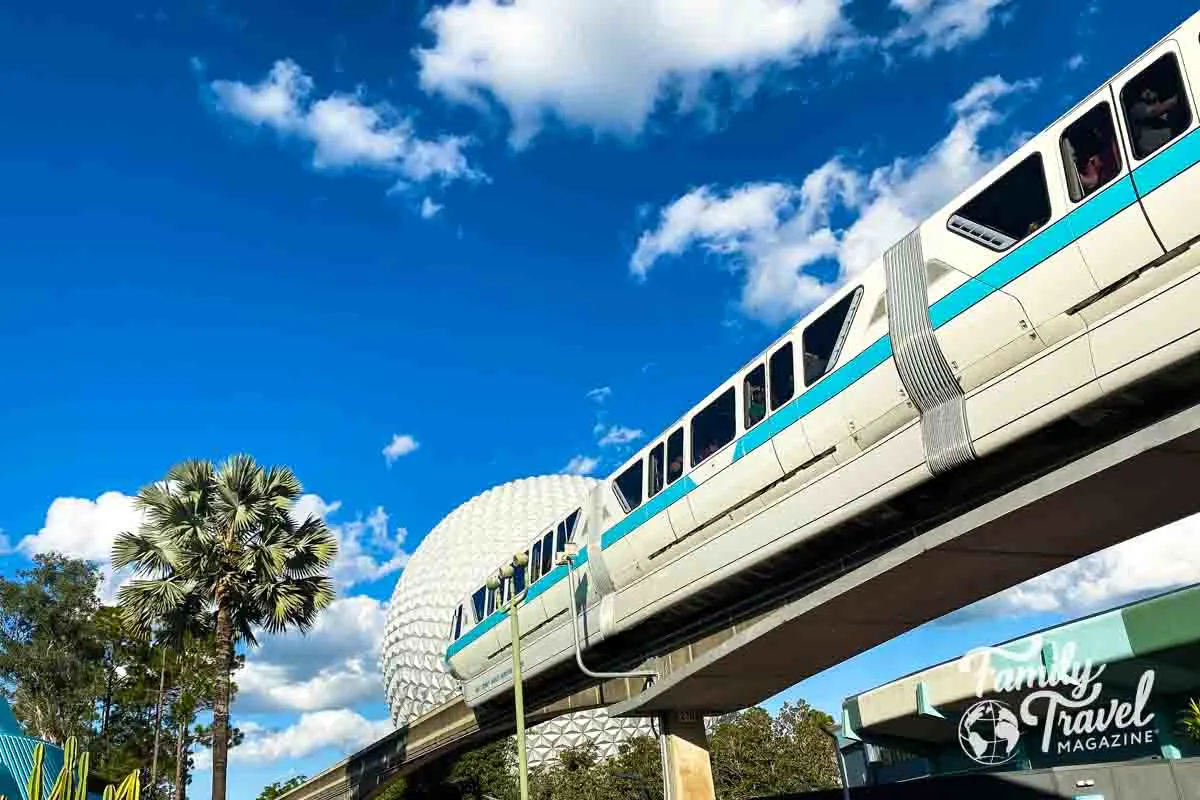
(1180, 156)
(1100, 208)
(539, 587)
(642, 514)
(1167, 164)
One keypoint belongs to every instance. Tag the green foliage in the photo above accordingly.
(280, 788)
(1189, 721)
(752, 754)
(51, 653)
(219, 547)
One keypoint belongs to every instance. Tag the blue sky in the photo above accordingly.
(302, 230)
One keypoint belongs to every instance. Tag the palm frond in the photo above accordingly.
(294, 603)
(313, 550)
(145, 602)
(147, 553)
(191, 478)
(281, 487)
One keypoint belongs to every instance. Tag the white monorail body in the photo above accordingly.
(1063, 275)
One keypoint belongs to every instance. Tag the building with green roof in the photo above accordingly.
(1105, 688)
(16, 761)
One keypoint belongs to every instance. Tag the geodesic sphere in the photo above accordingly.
(454, 559)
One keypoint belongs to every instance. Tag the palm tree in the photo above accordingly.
(220, 545)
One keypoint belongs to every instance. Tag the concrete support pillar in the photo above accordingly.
(687, 770)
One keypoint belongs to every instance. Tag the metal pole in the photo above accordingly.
(519, 695)
(568, 558)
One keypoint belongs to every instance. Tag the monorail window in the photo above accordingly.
(560, 541)
(478, 600)
(1156, 106)
(783, 376)
(491, 602)
(572, 521)
(714, 427)
(675, 455)
(822, 339)
(1091, 152)
(629, 487)
(518, 579)
(457, 624)
(656, 471)
(754, 396)
(1015, 206)
(547, 553)
(535, 562)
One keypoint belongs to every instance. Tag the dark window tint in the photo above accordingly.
(560, 541)
(518, 579)
(1156, 106)
(1091, 152)
(783, 376)
(629, 487)
(535, 562)
(491, 601)
(714, 427)
(1013, 207)
(656, 470)
(478, 600)
(675, 455)
(754, 396)
(823, 338)
(572, 521)
(547, 552)
(457, 623)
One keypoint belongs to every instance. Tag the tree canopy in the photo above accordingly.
(279, 788)
(219, 545)
(72, 668)
(753, 754)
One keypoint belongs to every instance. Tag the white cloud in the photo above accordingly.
(581, 465)
(933, 25)
(619, 434)
(367, 548)
(342, 730)
(1163, 559)
(600, 394)
(774, 232)
(429, 209)
(1075, 62)
(334, 666)
(343, 130)
(606, 64)
(402, 444)
(86, 529)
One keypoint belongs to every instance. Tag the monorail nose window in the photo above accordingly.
(1156, 106)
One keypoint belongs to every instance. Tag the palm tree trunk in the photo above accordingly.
(220, 727)
(181, 755)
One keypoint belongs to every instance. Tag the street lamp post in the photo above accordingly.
(508, 573)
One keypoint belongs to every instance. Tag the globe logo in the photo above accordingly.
(988, 733)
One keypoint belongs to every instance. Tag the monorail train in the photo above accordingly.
(1065, 274)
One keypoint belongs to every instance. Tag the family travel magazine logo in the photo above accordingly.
(1063, 703)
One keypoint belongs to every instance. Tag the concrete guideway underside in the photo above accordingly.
(1140, 482)
(449, 728)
